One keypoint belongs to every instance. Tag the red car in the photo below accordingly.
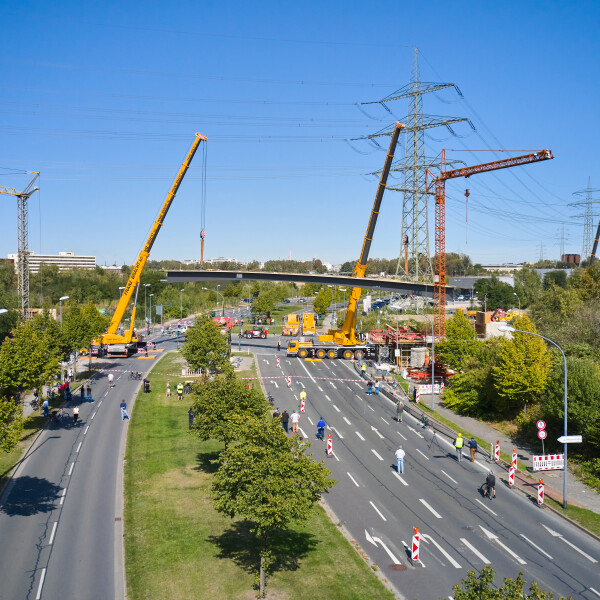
(255, 333)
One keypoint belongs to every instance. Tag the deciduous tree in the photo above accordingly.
(11, 424)
(460, 342)
(206, 347)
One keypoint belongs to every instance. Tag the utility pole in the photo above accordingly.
(588, 216)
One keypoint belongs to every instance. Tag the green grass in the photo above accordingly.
(587, 518)
(178, 546)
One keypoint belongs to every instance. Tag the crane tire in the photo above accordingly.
(303, 353)
(332, 354)
(321, 353)
(348, 354)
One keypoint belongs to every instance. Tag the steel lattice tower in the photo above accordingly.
(588, 217)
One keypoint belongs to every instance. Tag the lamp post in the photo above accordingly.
(519, 299)
(512, 329)
(150, 296)
(181, 304)
(485, 303)
(432, 357)
(60, 304)
(146, 285)
(223, 299)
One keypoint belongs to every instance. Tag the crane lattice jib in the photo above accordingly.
(439, 183)
(136, 271)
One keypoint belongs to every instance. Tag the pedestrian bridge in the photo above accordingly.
(376, 283)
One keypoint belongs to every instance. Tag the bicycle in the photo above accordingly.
(133, 375)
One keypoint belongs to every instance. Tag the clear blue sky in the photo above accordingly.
(104, 99)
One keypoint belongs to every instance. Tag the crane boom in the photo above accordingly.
(595, 247)
(111, 336)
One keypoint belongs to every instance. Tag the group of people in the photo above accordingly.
(179, 388)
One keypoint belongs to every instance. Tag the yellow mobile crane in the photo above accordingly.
(124, 345)
(343, 342)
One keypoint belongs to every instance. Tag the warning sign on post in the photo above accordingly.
(548, 462)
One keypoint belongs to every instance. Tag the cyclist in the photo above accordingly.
(490, 485)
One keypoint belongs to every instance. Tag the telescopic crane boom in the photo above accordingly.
(111, 336)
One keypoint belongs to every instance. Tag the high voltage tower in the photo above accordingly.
(415, 221)
(588, 217)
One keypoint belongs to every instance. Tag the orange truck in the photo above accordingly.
(308, 324)
(292, 325)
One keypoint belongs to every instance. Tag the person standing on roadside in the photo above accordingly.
(180, 391)
(278, 346)
(370, 388)
(285, 417)
(168, 389)
(82, 391)
(46, 407)
(472, 443)
(377, 388)
(191, 417)
(294, 419)
(123, 407)
(276, 413)
(400, 454)
(399, 411)
(459, 442)
(88, 390)
(75, 414)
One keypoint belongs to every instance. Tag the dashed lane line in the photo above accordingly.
(302, 432)
(369, 406)
(346, 419)
(595, 592)
(475, 551)
(326, 396)
(94, 415)
(423, 455)
(430, 508)
(86, 430)
(375, 453)
(78, 448)
(53, 533)
(397, 476)
(426, 537)
(336, 408)
(39, 592)
(450, 478)
(486, 507)
(404, 438)
(71, 469)
(360, 436)
(353, 480)
(303, 386)
(310, 420)
(384, 420)
(333, 385)
(537, 548)
(62, 498)
(320, 388)
(377, 511)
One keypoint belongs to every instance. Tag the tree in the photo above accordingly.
(523, 367)
(264, 303)
(460, 343)
(499, 294)
(482, 588)
(206, 348)
(223, 405)
(81, 325)
(11, 424)
(270, 480)
(528, 286)
(558, 278)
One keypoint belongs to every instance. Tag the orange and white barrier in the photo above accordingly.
(278, 363)
(302, 403)
(329, 446)
(541, 492)
(497, 451)
(513, 460)
(511, 476)
(289, 381)
(416, 542)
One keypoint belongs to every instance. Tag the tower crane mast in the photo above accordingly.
(439, 184)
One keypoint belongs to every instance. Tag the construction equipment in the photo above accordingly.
(439, 182)
(343, 342)
(125, 344)
(308, 324)
(595, 247)
(292, 325)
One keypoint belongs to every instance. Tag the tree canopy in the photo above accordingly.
(206, 347)
(460, 343)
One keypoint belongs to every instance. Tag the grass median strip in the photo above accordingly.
(178, 546)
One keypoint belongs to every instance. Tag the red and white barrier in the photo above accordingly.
(497, 451)
(416, 542)
(513, 460)
(289, 381)
(548, 462)
(418, 397)
(541, 492)
(511, 476)
(278, 363)
(329, 446)
(302, 403)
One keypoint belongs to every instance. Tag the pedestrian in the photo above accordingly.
(285, 417)
(370, 388)
(111, 378)
(278, 346)
(472, 448)
(302, 396)
(146, 385)
(191, 417)
(88, 390)
(276, 413)
(295, 418)
(46, 407)
(180, 391)
(400, 454)
(321, 429)
(377, 388)
(82, 391)
(68, 395)
(75, 414)
(459, 442)
(363, 369)
(399, 410)
(415, 393)
(70, 374)
(168, 389)
(123, 407)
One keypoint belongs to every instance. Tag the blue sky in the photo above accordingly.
(104, 100)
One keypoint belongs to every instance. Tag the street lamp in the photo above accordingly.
(181, 304)
(519, 299)
(332, 309)
(150, 296)
(60, 304)
(485, 303)
(145, 314)
(512, 329)
(432, 356)
(222, 297)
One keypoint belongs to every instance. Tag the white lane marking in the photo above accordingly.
(452, 561)
(94, 415)
(86, 430)
(384, 420)
(302, 432)
(375, 541)
(377, 432)
(62, 498)
(423, 455)
(415, 432)
(326, 396)
(492, 536)
(400, 478)
(536, 547)
(486, 507)
(310, 420)
(375, 453)
(353, 480)
(430, 508)
(595, 592)
(320, 388)
(295, 398)
(475, 551)
(336, 408)
(359, 384)
(288, 362)
(360, 436)
(265, 360)
(53, 533)
(409, 549)
(39, 592)
(377, 511)
(99, 403)
(558, 535)
(450, 478)
(303, 386)
(404, 438)
(78, 447)
(275, 384)
(346, 419)
(337, 432)
(71, 469)
(333, 385)
(369, 406)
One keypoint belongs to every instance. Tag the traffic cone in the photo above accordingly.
(329, 446)
(541, 493)
(416, 542)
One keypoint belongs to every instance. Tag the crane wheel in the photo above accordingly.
(321, 353)
(348, 354)
(303, 353)
(358, 355)
(332, 354)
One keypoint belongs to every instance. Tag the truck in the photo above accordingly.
(308, 324)
(126, 343)
(344, 342)
(255, 332)
(292, 326)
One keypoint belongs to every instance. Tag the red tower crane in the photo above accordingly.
(439, 182)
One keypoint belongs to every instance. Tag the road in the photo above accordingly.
(460, 530)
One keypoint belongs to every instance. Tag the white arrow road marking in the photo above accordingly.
(559, 535)
(423, 455)
(337, 433)
(360, 436)
(53, 533)
(401, 436)
(475, 551)
(353, 480)
(288, 362)
(345, 419)
(326, 396)
(377, 432)
(302, 432)
(336, 408)
(376, 540)
(433, 512)
(493, 536)
(265, 360)
(276, 384)
(536, 546)
(375, 453)
(450, 478)
(399, 478)
(333, 385)
(486, 507)
(426, 537)
(310, 420)
(377, 510)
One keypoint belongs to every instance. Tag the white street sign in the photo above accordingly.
(541, 424)
(569, 439)
(542, 433)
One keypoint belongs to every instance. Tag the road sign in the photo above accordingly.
(541, 424)
(569, 439)
(542, 433)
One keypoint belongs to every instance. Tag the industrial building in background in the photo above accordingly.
(64, 261)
